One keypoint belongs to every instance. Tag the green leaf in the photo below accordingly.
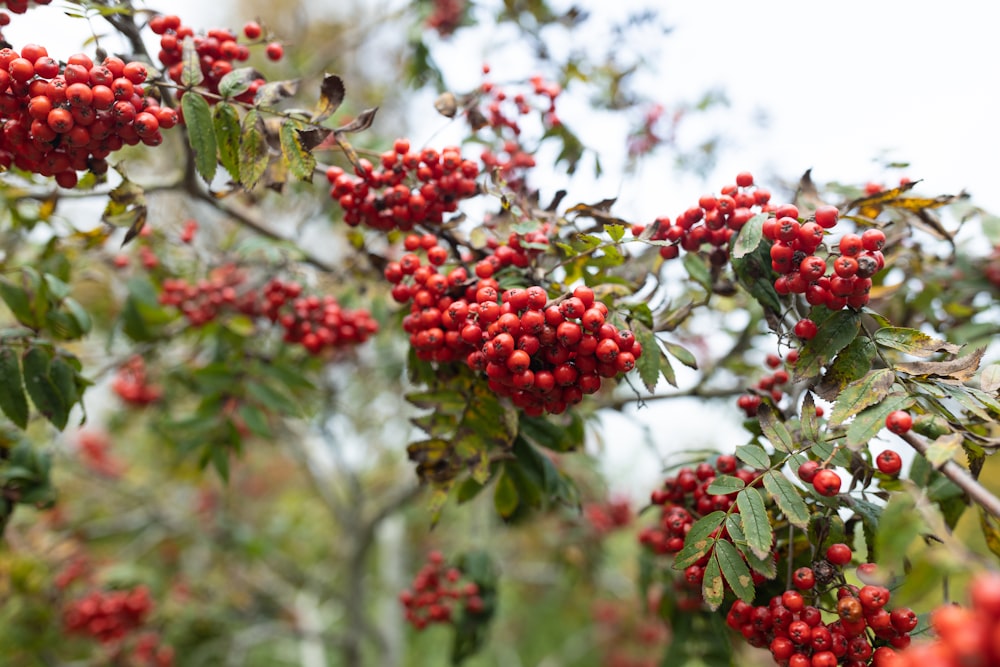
(12, 399)
(649, 364)
(754, 456)
(750, 236)
(944, 449)
(898, 526)
(505, 497)
(697, 542)
(912, 342)
(191, 74)
(616, 232)
(853, 361)
(723, 485)
(808, 421)
(757, 277)
(858, 395)
(19, 302)
(254, 153)
(80, 316)
(713, 588)
(735, 570)
(201, 134)
(871, 420)
(756, 525)
(41, 389)
(237, 82)
(227, 132)
(766, 566)
(255, 420)
(787, 498)
(270, 398)
(698, 270)
(300, 161)
(64, 379)
(679, 353)
(774, 429)
(832, 336)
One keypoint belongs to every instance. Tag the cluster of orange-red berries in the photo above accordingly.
(217, 51)
(864, 633)
(62, 118)
(132, 384)
(317, 323)
(407, 188)
(108, 615)
(435, 593)
(545, 355)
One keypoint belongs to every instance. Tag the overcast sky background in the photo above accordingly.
(845, 87)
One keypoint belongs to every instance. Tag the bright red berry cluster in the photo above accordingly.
(714, 220)
(317, 323)
(793, 255)
(435, 593)
(149, 651)
(770, 384)
(132, 385)
(966, 637)
(502, 111)
(446, 16)
(544, 355)
(684, 498)
(217, 50)
(408, 187)
(59, 119)
(108, 616)
(792, 624)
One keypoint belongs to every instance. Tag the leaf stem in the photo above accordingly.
(961, 477)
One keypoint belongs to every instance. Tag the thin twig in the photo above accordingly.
(961, 477)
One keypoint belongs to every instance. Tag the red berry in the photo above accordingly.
(889, 462)
(803, 579)
(826, 482)
(899, 421)
(807, 471)
(839, 554)
(826, 216)
(744, 179)
(805, 329)
(275, 51)
(252, 30)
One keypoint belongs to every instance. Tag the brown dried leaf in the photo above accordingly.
(361, 123)
(954, 370)
(446, 104)
(331, 96)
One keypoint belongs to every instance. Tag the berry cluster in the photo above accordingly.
(684, 498)
(436, 591)
(825, 481)
(94, 449)
(217, 51)
(108, 616)
(316, 323)
(608, 516)
(966, 637)
(446, 17)
(408, 188)
(714, 220)
(132, 385)
(793, 255)
(864, 633)
(150, 652)
(770, 384)
(502, 112)
(543, 355)
(59, 119)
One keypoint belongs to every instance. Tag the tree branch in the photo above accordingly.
(962, 478)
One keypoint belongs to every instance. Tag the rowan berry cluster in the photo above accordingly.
(608, 516)
(793, 255)
(217, 51)
(149, 651)
(714, 220)
(684, 499)
(59, 119)
(966, 637)
(865, 631)
(770, 384)
(435, 593)
(502, 112)
(94, 450)
(825, 481)
(132, 385)
(408, 187)
(316, 323)
(543, 355)
(108, 616)
(446, 17)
